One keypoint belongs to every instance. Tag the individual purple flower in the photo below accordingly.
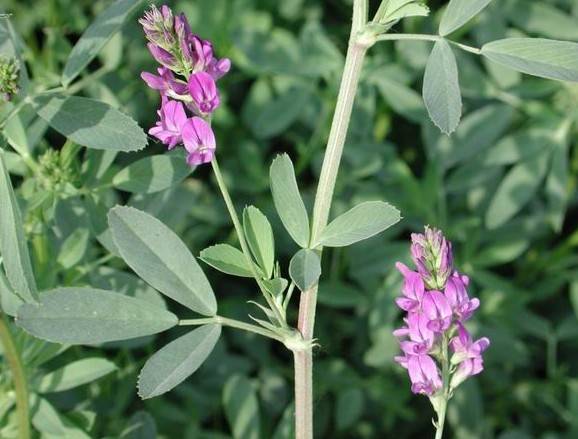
(455, 290)
(218, 68)
(165, 82)
(424, 374)
(172, 118)
(199, 141)
(421, 337)
(468, 354)
(413, 289)
(203, 90)
(438, 311)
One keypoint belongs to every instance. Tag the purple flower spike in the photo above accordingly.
(186, 82)
(168, 128)
(437, 303)
(199, 141)
(203, 90)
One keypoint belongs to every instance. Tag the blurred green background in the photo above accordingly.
(503, 188)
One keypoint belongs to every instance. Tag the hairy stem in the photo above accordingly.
(18, 376)
(303, 359)
(224, 321)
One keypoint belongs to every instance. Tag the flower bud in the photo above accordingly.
(432, 254)
(9, 69)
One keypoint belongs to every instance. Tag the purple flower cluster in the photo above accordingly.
(436, 300)
(186, 82)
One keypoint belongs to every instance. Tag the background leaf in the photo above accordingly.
(95, 37)
(516, 189)
(90, 123)
(242, 408)
(75, 374)
(152, 174)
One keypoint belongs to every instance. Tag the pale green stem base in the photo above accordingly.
(19, 378)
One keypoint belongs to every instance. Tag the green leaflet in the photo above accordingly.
(288, 202)
(458, 13)
(361, 222)
(175, 362)
(227, 259)
(160, 258)
(90, 123)
(91, 316)
(305, 268)
(259, 236)
(441, 88)
(536, 56)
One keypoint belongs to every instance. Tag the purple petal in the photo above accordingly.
(153, 81)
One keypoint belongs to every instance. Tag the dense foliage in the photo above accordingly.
(502, 187)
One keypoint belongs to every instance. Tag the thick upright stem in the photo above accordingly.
(18, 377)
(308, 301)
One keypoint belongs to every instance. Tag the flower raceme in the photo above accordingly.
(186, 82)
(436, 300)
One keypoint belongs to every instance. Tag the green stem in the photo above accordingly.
(242, 240)
(18, 376)
(303, 359)
(224, 321)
